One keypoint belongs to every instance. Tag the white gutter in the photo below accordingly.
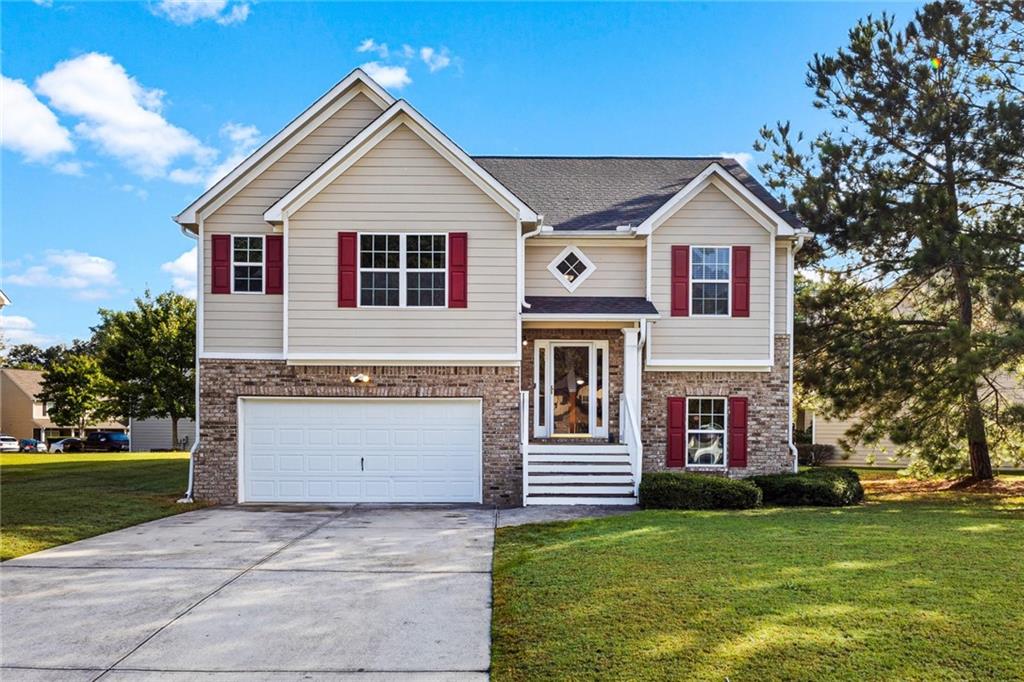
(522, 244)
(187, 498)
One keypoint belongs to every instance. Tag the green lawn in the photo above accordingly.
(48, 500)
(916, 584)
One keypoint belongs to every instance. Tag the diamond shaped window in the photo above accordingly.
(571, 267)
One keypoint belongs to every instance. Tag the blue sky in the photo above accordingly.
(116, 115)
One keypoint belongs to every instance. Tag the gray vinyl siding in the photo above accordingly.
(148, 435)
(781, 287)
(402, 185)
(618, 269)
(711, 219)
(252, 322)
(830, 432)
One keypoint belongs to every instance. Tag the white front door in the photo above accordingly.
(360, 450)
(571, 394)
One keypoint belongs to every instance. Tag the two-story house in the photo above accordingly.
(385, 318)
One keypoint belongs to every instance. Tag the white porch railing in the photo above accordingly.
(524, 439)
(630, 428)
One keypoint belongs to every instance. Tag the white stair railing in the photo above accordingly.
(630, 428)
(524, 439)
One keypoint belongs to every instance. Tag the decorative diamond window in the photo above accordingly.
(571, 268)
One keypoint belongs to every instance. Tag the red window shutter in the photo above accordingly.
(741, 281)
(275, 264)
(676, 432)
(458, 291)
(737, 432)
(680, 281)
(347, 266)
(221, 263)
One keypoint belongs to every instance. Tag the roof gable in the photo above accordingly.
(305, 123)
(28, 381)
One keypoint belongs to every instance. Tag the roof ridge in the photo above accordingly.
(600, 156)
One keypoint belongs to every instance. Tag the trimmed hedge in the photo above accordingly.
(809, 454)
(678, 490)
(819, 487)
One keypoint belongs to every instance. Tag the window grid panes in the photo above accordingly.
(403, 270)
(380, 258)
(705, 431)
(571, 267)
(710, 280)
(247, 264)
(425, 262)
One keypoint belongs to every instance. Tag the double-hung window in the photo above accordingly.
(403, 270)
(709, 280)
(247, 264)
(705, 432)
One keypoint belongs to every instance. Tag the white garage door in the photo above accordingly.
(337, 450)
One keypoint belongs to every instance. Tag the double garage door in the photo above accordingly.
(355, 450)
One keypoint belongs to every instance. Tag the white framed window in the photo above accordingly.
(705, 432)
(710, 277)
(247, 270)
(571, 268)
(403, 270)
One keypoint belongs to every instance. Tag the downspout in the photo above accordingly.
(522, 242)
(187, 497)
(801, 237)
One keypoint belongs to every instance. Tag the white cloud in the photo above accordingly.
(19, 329)
(183, 272)
(745, 159)
(43, 3)
(118, 114)
(188, 12)
(88, 277)
(371, 45)
(435, 59)
(140, 192)
(28, 126)
(396, 77)
(244, 140)
(69, 168)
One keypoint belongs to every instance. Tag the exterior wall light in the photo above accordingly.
(359, 379)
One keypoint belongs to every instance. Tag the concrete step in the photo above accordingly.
(579, 489)
(544, 477)
(577, 457)
(596, 448)
(580, 467)
(581, 499)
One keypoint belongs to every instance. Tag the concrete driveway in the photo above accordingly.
(356, 593)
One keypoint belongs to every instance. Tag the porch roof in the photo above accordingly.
(597, 306)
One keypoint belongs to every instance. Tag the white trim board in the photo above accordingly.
(399, 113)
(286, 139)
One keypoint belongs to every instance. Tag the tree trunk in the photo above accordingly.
(977, 443)
(174, 432)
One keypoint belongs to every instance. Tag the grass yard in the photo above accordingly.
(48, 500)
(922, 582)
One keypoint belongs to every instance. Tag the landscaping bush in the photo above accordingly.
(812, 454)
(677, 490)
(833, 487)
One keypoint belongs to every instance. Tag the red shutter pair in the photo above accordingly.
(348, 268)
(680, 284)
(220, 259)
(737, 443)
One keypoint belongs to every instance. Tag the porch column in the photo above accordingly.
(631, 367)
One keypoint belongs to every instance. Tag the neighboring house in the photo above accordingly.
(4, 300)
(154, 434)
(385, 318)
(23, 415)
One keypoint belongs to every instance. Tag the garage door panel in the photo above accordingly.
(353, 450)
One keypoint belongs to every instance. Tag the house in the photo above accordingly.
(383, 317)
(23, 415)
(154, 434)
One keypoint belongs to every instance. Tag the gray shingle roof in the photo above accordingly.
(590, 305)
(602, 193)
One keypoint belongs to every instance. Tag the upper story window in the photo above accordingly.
(709, 280)
(247, 264)
(403, 270)
(705, 432)
(571, 268)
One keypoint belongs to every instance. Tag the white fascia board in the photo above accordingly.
(670, 365)
(369, 137)
(586, 317)
(461, 359)
(241, 355)
(189, 216)
(779, 226)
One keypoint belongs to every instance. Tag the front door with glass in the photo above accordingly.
(571, 389)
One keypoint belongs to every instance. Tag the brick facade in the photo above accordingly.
(768, 411)
(615, 340)
(222, 382)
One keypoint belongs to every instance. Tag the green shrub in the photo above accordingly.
(809, 454)
(820, 487)
(677, 490)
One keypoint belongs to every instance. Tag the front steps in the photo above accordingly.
(579, 474)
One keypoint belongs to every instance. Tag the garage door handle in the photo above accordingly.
(361, 460)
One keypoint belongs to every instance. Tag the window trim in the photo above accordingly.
(403, 270)
(575, 284)
(725, 432)
(263, 264)
(693, 280)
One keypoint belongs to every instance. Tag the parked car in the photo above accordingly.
(8, 443)
(106, 441)
(31, 445)
(68, 445)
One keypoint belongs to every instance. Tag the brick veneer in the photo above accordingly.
(768, 411)
(615, 340)
(223, 381)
